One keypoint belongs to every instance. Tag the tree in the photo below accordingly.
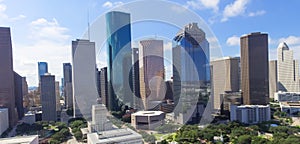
(244, 139)
(259, 140)
(78, 135)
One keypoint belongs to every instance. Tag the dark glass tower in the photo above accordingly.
(119, 59)
(255, 69)
(42, 68)
(67, 84)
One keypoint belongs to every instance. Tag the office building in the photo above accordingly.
(287, 96)
(7, 90)
(288, 69)
(291, 108)
(191, 73)
(169, 90)
(147, 120)
(98, 83)
(255, 69)
(250, 114)
(84, 85)
(4, 123)
(99, 120)
(67, 85)
(273, 82)
(151, 63)
(104, 86)
(57, 99)
(48, 97)
(119, 59)
(225, 78)
(136, 79)
(32, 139)
(19, 95)
(230, 98)
(42, 68)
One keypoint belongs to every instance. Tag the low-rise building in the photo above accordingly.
(250, 114)
(4, 123)
(147, 120)
(291, 108)
(287, 96)
(117, 136)
(33, 139)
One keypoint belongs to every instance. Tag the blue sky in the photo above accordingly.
(42, 30)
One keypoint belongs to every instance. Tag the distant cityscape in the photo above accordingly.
(246, 99)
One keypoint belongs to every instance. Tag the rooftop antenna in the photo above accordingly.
(88, 19)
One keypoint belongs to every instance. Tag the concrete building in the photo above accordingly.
(104, 86)
(287, 96)
(117, 136)
(19, 95)
(33, 139)
(292, 108)
(67, 85)
(147, 120)
(57, 97)
(4, 123)
(273, 82)
(250, 114)
(29, 118)
(84, 78)
(225, 78)
(288, 69)
(230, 98)
(255, 69)
(99, 120)
(7, 90)
(137, 102)
(151, 63)
(48, 97)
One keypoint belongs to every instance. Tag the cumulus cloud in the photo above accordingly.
(257, 13)
(290, 40)
(233, 41)
(234, 9)
(204, 4)
(109, 4)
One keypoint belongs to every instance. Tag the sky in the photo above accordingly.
(43, 30)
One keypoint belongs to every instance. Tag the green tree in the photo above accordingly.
(244, 139)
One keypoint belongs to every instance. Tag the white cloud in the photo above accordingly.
(233, 41)
(109, 4)
(257, 13)
(204, 4)
(48, 42)
(234, 9)
(290, 40)
(4, 18)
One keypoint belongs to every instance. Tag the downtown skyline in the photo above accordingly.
(42, 34)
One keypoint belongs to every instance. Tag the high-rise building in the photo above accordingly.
(98, 83)
(104, 86)
(99, 120)
(136, 79)
(67, 85)
(42, 68)
(19, 95)
(225, 78)
(273, 82)
(85, 91)
(191, 72)
(48, 97)
(119, 59)
(7, 93)
(57, 99)
(288, 69)
(151, 63)
(255, 69)
(250, 114)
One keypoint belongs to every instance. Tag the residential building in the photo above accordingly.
(250, 114)
(255, 69)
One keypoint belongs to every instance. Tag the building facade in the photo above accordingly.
(250, 114)
(255, 69)
(104, 86)
(48, 97)
(288, 69)
(19, 95)
(273, 82)
(99, 120)
(287, 96)
(67, 85)
(119, 59)
(147, 120)
(84, 80)
(136, 79)
(42, 68)
(7, 90)
(4, 120)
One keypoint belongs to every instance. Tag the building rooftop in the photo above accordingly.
(148, 113)
(19, 140)
(114, 136)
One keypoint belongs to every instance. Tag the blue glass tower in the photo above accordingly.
(119, 59)
(42, 68)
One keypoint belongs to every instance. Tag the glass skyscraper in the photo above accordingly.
(42, 68)
(191, 73)
(119, 59)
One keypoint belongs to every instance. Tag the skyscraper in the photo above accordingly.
(136, 79)
(151, 63)
(57, 99)
(67, 85)
(7, 93)
(48, 97)
(119, 59)
(42, 68)
(288, 69)
(19, 95)
(85, 91)
(225, 78)
(273, 82)
(104, 86)
(255, 69)
(191, 72)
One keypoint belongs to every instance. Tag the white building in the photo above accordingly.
(34, 139)
(99, 120)
(147, 120)
(250, 114)
(291, 108)
(84, 78)
(3, 120)
(117, 136)
(288, 69)
(287, 96)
